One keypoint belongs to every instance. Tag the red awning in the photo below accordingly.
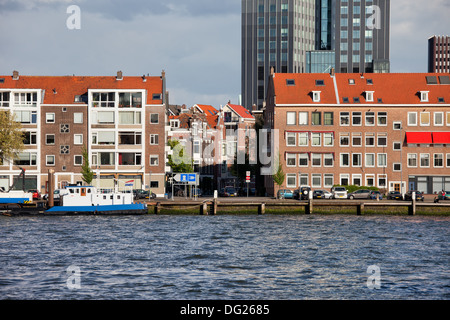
(419, 137)
(441, 137)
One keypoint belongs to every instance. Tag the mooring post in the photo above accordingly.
(214, 207)
(360, 209)
(51, 189)
(309, 206)
(262, 209)
(204, 209)
(158, 208)
(412, 207)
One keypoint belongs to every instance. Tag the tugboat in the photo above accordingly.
(86, 200)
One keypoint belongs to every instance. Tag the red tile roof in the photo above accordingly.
(241, 111)
(67, 87)
(391, 88)
(207, 109)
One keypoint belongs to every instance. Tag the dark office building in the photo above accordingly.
(439, 54)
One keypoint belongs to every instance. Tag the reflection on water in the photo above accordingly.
(225, 257)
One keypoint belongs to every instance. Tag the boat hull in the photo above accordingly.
(125, 209)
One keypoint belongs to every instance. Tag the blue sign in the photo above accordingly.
(190, 178)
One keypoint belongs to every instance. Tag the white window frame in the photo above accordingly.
(314, 135)
(154, 137)
(154, 156)
(370, 176)
(359, 164)
(380, 157)
(382, 135)
(367, 156)
(48, 117)
(328, 156)
(49, 156)
(79, 137)
(77, 119)
(291, 176)
(412, 156)
(326, 177)
(412, 124)
(291, 135)
(303, 135)
(75, 160)
(291, 156)
(303, 156)
(291, 118)
(424, 96)
(434, 160)
(315, 176)
(396, 164)
(442, 119)
(341, 158)
(316, 157)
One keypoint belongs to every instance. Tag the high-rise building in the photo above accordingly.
(274, 34)
(304, 36)
(439, 54)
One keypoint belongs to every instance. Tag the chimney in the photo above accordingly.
(144, 79)
(15, 75)
(332, 72)
(163, 74)
(119, 75)
(254, 107)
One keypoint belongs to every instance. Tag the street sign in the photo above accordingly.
(247, 179)
(186, 178)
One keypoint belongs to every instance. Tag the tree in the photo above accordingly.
(88, 174)
(279, 175)
(11, 137)
(180, 162)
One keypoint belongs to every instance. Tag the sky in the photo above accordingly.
(196, 42)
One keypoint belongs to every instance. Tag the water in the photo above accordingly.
(224, 257)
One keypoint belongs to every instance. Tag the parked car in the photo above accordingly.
(360, 194)
(419, 196)
(36, 194)
(141, 194)
(374, 195)
(318, 194)
(442, 195)
(302, 193)
(339, 193)
(229, 192)
(285, 194)
(394, 195)
(197, 192)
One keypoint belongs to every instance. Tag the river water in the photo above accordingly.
(235, 257)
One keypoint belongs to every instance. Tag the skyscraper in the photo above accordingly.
(275, 33)
(439, 54)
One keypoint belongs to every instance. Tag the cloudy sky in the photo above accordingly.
(197, 42)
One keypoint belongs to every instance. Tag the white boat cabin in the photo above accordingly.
(81, 196)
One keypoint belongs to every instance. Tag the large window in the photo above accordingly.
(25, 99)
(104, 138)
(4, 99)
(26, 159)
(26, 117)
(104, 99)
(291, 180)
(103, 158)
(130, 138)
(130, 117)
(291, 118)
(130, 100)
(130, 159)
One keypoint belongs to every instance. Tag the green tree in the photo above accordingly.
(11, 137)
(180, 162)
(86, 171)
(279, 175)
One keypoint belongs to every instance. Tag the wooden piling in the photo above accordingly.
(360, 209)
(309, 207)
(214, 207)
(262, 209)
(204, 209)
(412, 207)
(158, 208)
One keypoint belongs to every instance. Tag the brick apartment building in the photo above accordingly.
(439, 54)
(382, 130)
(121, 121)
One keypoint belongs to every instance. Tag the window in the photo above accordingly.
(50, 160)
(356, 159)
(64, 149)
(316, 139)
(328, 160)
(4, 99)
(131, 100)
(78, 160)
(174, 123)
(370, 160)
(130, 117)
(104, 138)
(303, 118)
(397, 125)
(369, 96)
(291, 160)
(154, 118)
(370, 140)
(303, 160)
(328, 180)
(50, 118)
(382, 181)
(104, 117)
(25, 99)
(397, 167)
(130, 138)
(78, 117)
(154, 139)
(424, 96)
(345, 159)
(448, 160)
(370, 118)
(291, 118)
(345, 118)
(397, 146)
(65, 128)
(448, 118)
(26, 117)
(106, 158)
(438, 160)
(50, 139)
(304, 179)
(316, 179)
(30, 138)
(77, 139)
(291, 139)
(328, 118)
(412, 160)
(316, 118)
(412, 118)
(103, 99)
(382, 118)
(316, 160)
(382, 160)
(438, 118)
(26, 159)
(382, 140)
(424, 118)
(291, 180)
(344, 179)
(154, 160)
(357, 118)
(316, 96)
(357, 140)
(344, 140)
(303, 139)
(130, 159)
(370, 180)
(328, 140)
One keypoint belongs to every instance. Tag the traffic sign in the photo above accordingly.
(247, 179)
(187, 178)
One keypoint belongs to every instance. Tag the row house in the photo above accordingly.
(390, 131)
(212, 138)
(120, 121)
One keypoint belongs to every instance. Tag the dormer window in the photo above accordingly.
(369, 96)
(290, 82)
(424, 96)
(174, 123)
(316, 96)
